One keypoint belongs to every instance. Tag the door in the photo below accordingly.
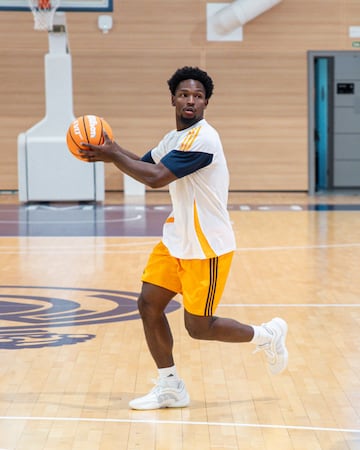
(323, 67)
(334, 120)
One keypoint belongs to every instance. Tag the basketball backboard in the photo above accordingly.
(65, 5)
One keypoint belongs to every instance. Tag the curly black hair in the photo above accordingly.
(191, 73)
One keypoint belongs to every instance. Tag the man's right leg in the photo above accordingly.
(169, 391)
(152, 303)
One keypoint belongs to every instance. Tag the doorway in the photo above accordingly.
(334, 121)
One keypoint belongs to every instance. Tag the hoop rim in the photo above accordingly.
(95, 6)
(43, 5)
(43, 13)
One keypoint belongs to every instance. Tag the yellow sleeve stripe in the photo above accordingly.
(189, 139)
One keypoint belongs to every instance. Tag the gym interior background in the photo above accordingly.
(260, 102)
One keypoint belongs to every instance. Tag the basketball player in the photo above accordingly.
(194, 256)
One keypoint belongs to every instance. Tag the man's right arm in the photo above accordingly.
(143, 170)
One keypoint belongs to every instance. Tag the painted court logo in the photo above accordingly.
(31, 316)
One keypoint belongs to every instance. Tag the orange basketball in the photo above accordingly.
(87, 129)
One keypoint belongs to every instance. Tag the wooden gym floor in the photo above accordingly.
(72, 352)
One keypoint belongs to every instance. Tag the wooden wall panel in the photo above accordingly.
(260, 100)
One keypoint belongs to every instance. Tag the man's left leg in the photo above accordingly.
(269, 337)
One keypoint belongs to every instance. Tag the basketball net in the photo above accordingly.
(43, 12)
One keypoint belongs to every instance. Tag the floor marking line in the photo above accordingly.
(182, 422)
(290, 305)
(297, 247)
(78, 252)
(66, 222)
(95, 246)
(94, 249)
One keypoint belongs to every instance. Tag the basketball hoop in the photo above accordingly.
(43, 12)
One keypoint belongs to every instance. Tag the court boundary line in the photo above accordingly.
(8, 249)
(290, 305)
(181, 422)
(298, 247)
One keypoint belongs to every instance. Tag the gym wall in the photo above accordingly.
(259, 104)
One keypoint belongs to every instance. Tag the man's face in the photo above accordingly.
(190, 102)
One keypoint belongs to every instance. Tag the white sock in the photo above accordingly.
(169, 373)
(261, 335)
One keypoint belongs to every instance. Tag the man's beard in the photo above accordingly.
(187, 121)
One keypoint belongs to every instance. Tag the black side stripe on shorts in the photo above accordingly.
(213, 267)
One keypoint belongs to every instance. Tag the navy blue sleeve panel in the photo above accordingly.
(184, 163)
(148, 158)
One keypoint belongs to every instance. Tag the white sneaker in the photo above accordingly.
(163, 395)
(275, 350)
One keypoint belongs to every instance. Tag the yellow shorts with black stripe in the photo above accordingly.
(200, 281)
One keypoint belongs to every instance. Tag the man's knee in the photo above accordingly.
(153, 300)
(199, 327)
(142, 304)
(148, 308)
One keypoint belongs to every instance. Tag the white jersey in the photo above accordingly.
(199, 226)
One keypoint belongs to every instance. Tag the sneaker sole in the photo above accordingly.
(150, 407)
(183, 403)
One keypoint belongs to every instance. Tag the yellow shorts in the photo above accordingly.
(200, 281)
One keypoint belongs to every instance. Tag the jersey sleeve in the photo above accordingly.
(182, 163)
(148, 157)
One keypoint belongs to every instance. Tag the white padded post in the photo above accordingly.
(46, 169)
(133, 187)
